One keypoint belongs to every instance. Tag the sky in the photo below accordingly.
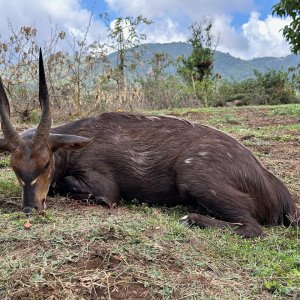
(245, 28)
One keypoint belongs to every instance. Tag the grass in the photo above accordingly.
(288, 110)
(273, 132)
(80, 251)
(147, 248)
(8, 184)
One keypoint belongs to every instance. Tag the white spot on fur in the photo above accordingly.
(33, 181)
(238, 224)
(202, 153)
(22, 182)
(184, 218)
(229, 154)
(188, 160)
(213, 192)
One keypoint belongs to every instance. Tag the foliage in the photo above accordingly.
(124, 39)
(161, 90)
(198, 65)
(18, 61)
(82, 80)
(271, 87)
(80, 64)
(69, 75)
(290, 8)
(294, 73)
(231, 68)
(196, 69)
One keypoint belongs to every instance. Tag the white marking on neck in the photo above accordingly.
(33, 181)
(22, 182)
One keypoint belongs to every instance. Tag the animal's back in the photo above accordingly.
(149, 156)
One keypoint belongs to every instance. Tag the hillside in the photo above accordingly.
(229, 67)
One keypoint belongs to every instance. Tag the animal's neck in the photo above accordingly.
(61, 165)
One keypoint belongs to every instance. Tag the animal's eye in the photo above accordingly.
(46, 166)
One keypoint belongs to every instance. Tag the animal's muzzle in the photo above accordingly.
(28, 210)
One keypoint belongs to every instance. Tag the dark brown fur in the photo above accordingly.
(163, 160)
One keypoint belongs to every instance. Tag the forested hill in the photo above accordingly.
(229, 67)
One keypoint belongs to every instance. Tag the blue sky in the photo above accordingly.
(246, 28)
(264, 7)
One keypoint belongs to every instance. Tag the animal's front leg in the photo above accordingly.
(101, 189)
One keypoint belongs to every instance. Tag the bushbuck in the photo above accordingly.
(155, 159)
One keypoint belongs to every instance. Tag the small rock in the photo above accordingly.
(229, 104)
(238, 103)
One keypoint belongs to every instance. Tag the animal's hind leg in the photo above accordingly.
(230, 207)
(205, 221)
(244, 229)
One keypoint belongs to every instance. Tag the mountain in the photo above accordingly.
(229, 67)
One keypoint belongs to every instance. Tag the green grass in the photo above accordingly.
(4, 162)
(271, 110)
(135, 251)
(276, 132)
(8, 184)
(290, 110)
(166, 258)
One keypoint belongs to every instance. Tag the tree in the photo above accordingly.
(290, 8)
(156, 83)
(124, 39)
(197, 68)
(19, 65)
(159, 62)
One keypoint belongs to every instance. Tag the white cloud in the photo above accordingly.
(230, 40)
(191, 8)
(257, 37)
(68, 15)
(164, 31)
(265, 37)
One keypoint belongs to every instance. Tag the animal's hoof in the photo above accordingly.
(186, 221)
(184, 218)
(105, 202)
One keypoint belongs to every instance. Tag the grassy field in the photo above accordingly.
(82, 251)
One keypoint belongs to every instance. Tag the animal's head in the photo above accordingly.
(32, 156)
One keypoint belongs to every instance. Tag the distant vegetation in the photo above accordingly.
(229, 67)
(291, 9)
(125, 74)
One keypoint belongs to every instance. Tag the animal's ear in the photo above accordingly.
(67, 141)
(3, 146)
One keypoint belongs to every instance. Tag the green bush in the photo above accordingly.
(271, 87)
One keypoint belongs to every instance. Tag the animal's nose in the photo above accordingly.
(27, 210)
